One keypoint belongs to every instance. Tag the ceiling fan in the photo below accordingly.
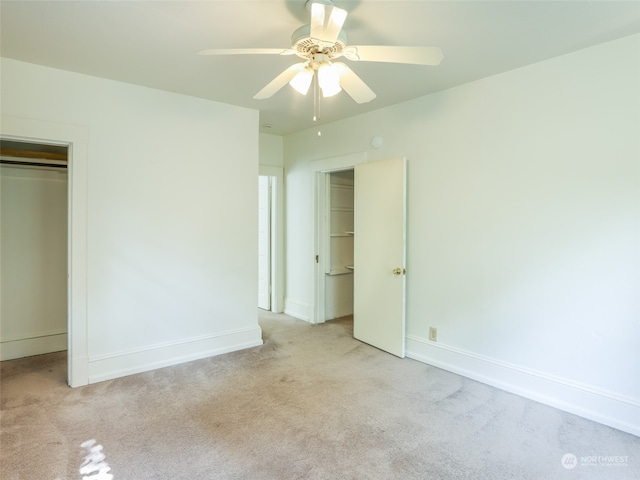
(322, 42)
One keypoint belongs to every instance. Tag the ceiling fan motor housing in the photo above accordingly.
(306, 46)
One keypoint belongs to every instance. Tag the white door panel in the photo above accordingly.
(379, 251)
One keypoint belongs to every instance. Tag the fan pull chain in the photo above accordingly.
(316, 100)
(315, 96)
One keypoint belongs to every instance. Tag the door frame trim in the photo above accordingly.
(77, 139)
(319, 170)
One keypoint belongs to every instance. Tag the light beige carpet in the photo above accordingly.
(311, 403)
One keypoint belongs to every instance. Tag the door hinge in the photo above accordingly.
(317, 258)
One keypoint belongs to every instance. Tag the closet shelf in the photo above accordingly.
(342, 209)
(340, 271)
(343, 234)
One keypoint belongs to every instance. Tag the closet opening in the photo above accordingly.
(334, 265)
(339, 237)
(34, 212)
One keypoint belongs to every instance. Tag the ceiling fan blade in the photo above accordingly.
(280, 81)
(414, 55)
(247, 51)
(326, 22)
(353, 84)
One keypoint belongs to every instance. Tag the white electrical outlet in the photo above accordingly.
(433, 334)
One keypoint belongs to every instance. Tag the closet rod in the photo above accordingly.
(31, 164)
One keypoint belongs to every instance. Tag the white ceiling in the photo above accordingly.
(155, 44)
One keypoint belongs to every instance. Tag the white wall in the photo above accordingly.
(171, 221)
(271, 150)
(523, 226)
(33, 241)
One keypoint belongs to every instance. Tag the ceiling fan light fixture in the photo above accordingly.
(329, 79)
(320, 44)
(302, 81)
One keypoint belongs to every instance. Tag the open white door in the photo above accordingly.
(264, 243)
(379, 254)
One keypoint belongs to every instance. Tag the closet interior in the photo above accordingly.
(339, 227)
(33, 239)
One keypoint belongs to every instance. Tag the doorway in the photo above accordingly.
(264, 242)
(378, 248)
(322, 171)
(270, 239)
(34, 213)
(76, 139)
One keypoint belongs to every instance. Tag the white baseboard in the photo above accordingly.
(599, 405)
(301, 311)
(38, 345)
(120, 364)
